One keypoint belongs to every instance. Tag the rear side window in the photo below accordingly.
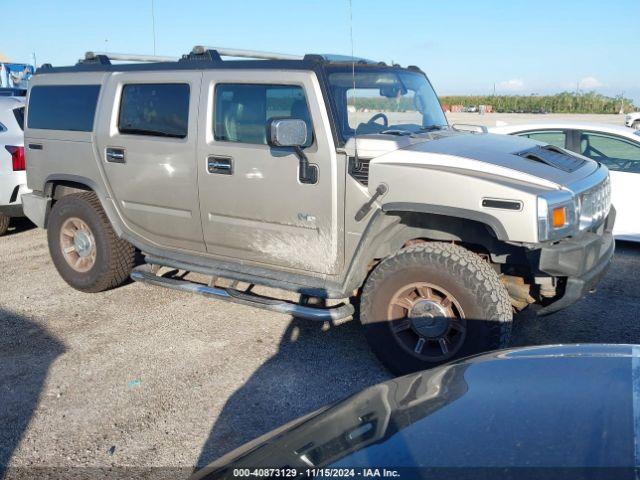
(242, 111)
(159, 109)
(63, 107)
(557, 138)
(19, 114)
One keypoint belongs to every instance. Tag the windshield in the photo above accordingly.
(384, 101)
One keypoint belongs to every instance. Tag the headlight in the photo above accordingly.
(562, 213)
(557, 215)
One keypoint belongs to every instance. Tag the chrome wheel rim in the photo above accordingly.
(78, 244)
(427, 321)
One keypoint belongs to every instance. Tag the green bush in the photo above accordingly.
(565, 102)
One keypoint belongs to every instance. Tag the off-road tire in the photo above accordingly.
(636, 125)
(472, 281)
(4, 223)
(114, 258)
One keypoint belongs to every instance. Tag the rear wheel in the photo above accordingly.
(4, 223)
(85, 250)
(432, 303)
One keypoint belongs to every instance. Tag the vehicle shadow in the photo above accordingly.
(19, 225)
(336, 357)
(27, 351)
(339, 359)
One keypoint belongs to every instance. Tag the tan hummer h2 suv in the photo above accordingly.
(331, 177)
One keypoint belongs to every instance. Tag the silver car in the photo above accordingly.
(336, 178)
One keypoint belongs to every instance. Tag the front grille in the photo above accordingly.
(595, 204)
(360, 170)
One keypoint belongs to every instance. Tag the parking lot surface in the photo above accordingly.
(145, 376)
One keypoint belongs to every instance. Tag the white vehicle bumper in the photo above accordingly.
(12, 186)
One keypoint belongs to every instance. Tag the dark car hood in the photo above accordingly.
(550, 406)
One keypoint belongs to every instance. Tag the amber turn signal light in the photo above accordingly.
(559, 217)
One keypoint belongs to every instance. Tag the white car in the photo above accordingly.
(13, 177)
(616, 147)
(632, 120)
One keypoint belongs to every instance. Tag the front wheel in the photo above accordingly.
(84, 247)
(636, 125)
(432, 303)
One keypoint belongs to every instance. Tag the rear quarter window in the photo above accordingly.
(63, 107)
(19, 114)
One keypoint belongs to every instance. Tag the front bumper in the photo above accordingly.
(583, 260)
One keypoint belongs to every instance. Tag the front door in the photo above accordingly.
(147, 147)
(254, 206)
(622, 157)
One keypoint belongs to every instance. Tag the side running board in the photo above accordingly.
(145, 274)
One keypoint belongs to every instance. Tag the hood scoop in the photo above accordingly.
(554, 157)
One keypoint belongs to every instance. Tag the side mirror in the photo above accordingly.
(292, 132)
(287, 132)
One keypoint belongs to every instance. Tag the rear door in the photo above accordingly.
(147, 146)
(622, 157)
(253, 205)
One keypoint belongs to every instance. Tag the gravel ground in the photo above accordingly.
(490, 119)
(145, 376)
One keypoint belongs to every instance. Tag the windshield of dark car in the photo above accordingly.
(384, 101)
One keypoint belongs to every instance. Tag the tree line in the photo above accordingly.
(565, 102)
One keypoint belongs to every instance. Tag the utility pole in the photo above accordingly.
(153, 27)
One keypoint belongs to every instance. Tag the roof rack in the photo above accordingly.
(127, 57)
(237, 52)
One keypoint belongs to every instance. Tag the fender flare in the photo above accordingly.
(385, 233)
(481, 217)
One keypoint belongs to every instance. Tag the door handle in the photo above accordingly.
(220, 165)
(115, 155)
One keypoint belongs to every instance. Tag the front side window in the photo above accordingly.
(615, 152)
(369, 101)
(243, 111)
(158, 109)
(63, 107)
(557, 138)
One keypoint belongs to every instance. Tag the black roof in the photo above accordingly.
(210, 59)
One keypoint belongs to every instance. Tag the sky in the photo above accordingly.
(465, 46)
